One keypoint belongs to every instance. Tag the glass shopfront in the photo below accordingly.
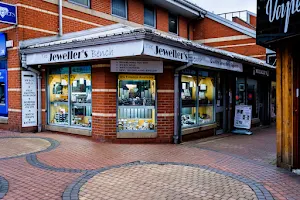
(136, 103)
(197, 96)
(70, 96)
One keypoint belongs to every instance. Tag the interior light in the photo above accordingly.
(131, 86)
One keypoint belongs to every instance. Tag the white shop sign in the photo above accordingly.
(165, 51)
(29, 99)
(243, 116)
(211, 61)
(127, 66)
(123, 49)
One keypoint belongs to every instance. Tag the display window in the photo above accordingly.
(69, 94)
(197, 96)
(206, 97)
(136, 103)
(189, 100)
(253, 97)
(240, 97)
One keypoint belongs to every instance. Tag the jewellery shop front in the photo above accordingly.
(146, 88)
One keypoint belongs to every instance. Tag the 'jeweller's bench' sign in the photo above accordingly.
(277, 20)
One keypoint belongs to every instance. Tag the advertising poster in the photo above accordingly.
(243, 117)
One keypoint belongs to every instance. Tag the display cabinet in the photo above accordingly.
(136, 103)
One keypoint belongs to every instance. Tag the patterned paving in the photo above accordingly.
(14, 147)
(166, 181)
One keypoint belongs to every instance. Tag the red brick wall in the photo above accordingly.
(162, 20)
(183, 29)
(102, 6)
(136, 11)
(242, 22)
(253, 20)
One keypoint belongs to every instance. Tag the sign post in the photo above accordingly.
(242, 119)
(29, 99)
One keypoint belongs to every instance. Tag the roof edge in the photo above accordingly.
(231, 24)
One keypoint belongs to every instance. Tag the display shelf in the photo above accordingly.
(136, 107)
(206, 105)
(60, 102)
(81, 104)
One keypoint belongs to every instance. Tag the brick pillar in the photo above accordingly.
(165, 106)
(104, 104)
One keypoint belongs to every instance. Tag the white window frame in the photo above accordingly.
(169, 23)
(154, 16)
(126, 10)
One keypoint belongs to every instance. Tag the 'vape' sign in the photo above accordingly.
(276, 20)
(8, 13)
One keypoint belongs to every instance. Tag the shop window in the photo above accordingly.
(81, 96)
(85, 3)
(189, 100)
(149, 16)
(206, 90)
(70, 96)
(119, 8)
(240, 97)
(252, 97)
(173, 24)
(136, 103)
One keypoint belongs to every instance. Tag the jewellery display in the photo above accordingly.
(136, 103)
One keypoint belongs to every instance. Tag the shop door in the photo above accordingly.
(220, 105)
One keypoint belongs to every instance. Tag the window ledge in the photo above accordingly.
(76, 131)
(136, 135)
(198, 129)
(3, 120)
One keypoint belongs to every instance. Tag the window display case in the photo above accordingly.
(188, 99)
(70, 96)
(197, 96)
(206, 100)
(136, 103)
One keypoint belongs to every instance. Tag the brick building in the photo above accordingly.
(77, 50)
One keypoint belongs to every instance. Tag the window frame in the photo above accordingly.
(126, 10)
(154, 13)
(177, 19)
(79, 4)
(48, 121)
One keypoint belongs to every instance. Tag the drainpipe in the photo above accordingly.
(39, 82)
(177, 112)
(60, 20)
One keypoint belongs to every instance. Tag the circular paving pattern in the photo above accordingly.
(164, 181)
(12, 147)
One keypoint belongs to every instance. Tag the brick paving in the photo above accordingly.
(55, 173)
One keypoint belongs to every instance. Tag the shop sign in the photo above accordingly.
(124, 49)
(136, 77)
(210, 61)
(8, 13)
(243, 117)
(131, 66)
(3, 50)
(277, 19)
(29, 99)
(261, 72)
(165, 51)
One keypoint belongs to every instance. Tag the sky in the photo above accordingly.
(222, 6)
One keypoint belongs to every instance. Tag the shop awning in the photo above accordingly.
(118, 41)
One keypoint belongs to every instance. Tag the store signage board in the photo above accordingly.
(29, 99)
(210, 61)
(165, 51)
(261, 72)
(114, 50)
(243, 116)
(3, 50)
(8, 13)
(277, 20)
(127, 66)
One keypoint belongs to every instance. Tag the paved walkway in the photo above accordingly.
(55, 166)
